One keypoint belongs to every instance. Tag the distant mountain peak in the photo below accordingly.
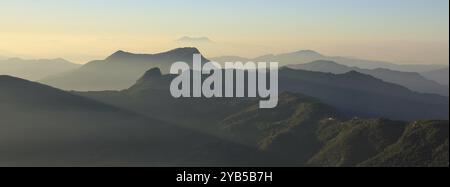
(119, 55)
(308, 52)
(266, 56)
(185, 50)
(123, 55)
(121, 52)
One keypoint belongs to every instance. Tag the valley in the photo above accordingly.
(322, 119)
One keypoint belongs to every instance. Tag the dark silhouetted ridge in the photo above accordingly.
(155, 72)
(152, 79)
(182, 51)
(120, 70)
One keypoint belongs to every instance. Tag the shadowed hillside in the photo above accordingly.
(118, 71)
(301, 130)
(40, 125)
(362, 95)
(414, 81)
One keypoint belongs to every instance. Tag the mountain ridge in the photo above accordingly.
(301, 130)
(120, 70)
(35, 69)
(412, 80)
(441, 75)
(298, 57)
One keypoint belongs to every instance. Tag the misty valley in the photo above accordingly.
(121, 111)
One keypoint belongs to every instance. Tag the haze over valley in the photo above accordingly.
(359, 83)
(324, 107)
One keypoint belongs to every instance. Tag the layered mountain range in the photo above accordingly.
(35, 69)
(306, 56)
(119, 70)
(412, 80)
(301, 130)
(439, 75)
(44, 126)
(123, 114)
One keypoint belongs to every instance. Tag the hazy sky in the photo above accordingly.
(402, 31)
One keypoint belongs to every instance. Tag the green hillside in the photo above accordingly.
(300, 131)
(423, 143)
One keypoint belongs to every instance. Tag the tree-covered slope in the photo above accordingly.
(423, 143)
(301, 130)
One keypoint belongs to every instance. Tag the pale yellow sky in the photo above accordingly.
(401, 31)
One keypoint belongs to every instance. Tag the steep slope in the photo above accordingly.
(357, 140)
(287, 130)
(276, 131)
(151, 96)
(35, 69)
(301, 130)
(365, 96)
(307, 133)
(413, 81)
(40, 125)
(385, 143)
(353, 93)
(423, 143)
(307, 137)
(119, 71)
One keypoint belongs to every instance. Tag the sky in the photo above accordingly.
(400, 31)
